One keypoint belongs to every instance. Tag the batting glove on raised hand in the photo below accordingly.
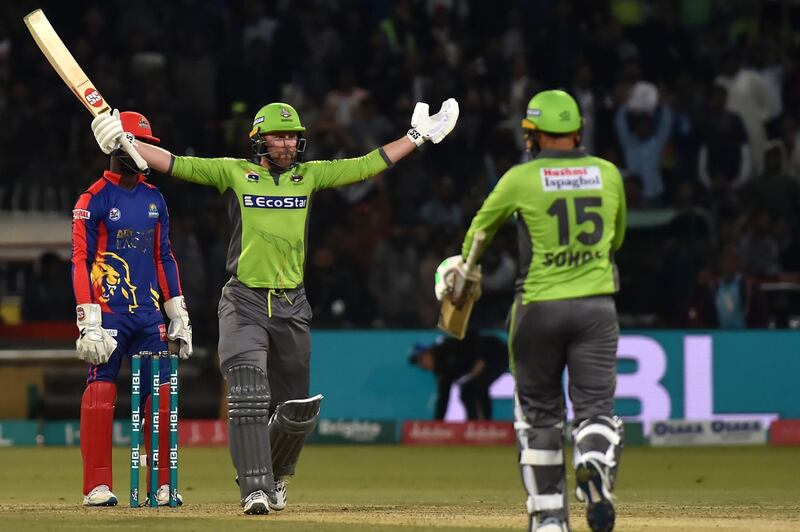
(94, 345)
(180, 327)
(452, 273)
(433, 128)
(107, 129)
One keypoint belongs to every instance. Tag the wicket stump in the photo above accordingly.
(136, 426)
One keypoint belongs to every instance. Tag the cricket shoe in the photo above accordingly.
(257, 503)
(100, 496)
(280, 496)
(592, 490)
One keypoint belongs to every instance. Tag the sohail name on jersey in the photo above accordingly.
(570, 258)
(571, 178)
(275, 202)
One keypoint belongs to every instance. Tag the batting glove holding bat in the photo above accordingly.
(434, 128)
(107, 129)
(451, 276)
(94, 345)
(180, 327)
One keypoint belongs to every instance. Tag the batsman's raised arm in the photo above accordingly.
(423, 128)
(108, 133)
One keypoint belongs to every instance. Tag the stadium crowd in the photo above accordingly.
(698, 101)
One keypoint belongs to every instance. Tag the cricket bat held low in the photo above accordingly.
(457, 307)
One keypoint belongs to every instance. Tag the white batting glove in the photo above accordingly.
(433, 128)
(94, 345)
(107, 129)
(451, 273)
(180, 327)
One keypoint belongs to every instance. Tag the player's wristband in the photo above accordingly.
(415, 137)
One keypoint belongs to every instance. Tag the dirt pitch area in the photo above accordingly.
(413, 489)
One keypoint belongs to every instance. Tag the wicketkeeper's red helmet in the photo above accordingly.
(136, 123)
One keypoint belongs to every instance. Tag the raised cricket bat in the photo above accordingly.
(78, 82)
(456, 309)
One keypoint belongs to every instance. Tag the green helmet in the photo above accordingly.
(276, 117)
(553, 112)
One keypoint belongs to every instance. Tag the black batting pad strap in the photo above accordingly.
(248, 430)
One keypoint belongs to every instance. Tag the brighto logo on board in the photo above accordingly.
(275, 202)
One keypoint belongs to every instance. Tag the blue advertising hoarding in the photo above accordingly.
(662, 375)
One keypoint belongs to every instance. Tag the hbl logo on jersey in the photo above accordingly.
(275, 202)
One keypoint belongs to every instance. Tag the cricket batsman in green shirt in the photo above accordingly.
(569, 209)
(264, 317)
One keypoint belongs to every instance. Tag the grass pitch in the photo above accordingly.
(407, 489)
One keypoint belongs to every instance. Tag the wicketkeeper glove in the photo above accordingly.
(433, 128)
(180, 327)
(452, 273)
(94, 345)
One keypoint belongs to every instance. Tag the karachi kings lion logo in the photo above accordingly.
(110, 276)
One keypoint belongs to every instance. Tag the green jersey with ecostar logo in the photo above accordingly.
(268, 213)
(570, 213)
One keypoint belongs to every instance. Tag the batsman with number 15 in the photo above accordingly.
(570, 215)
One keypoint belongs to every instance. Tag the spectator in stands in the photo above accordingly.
(789, 245)
(689, 236)
(48, 296)
(472, 364)
(759, 251)
(369, 128)
(773, 190)
(443, 210)
(790, 136)
(589, 102)
(747, 95)
(336, 295)
(346, 97)
(729, 301)
(633, 192)
(397, 29)
(406, 51)
(724, 161)
(643, 127)
(392, 279)
(692, 224)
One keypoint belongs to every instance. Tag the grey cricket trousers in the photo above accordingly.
(580, 334)
(271, 329)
